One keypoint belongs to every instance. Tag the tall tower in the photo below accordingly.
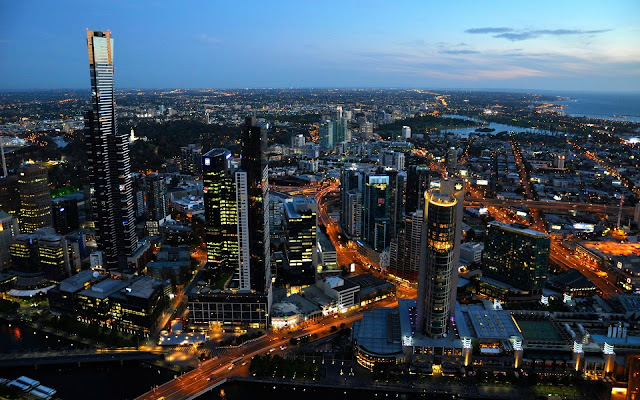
(35, 199)
(417, 184)
(221, 218)
(438, 275)
(108, 155)
(252, 185)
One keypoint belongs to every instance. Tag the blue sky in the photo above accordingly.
(553, 45)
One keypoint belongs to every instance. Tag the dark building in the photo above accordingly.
(396, 197)
(35, 199)
(376, 224)
(108, 159)
(9, 196)
(405, 249)
(43, 253)
(253, 187)
(66, 216)
(300, 243)
(220, 213)
(417, 184)
(516, 255)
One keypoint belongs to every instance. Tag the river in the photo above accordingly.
(491, 125)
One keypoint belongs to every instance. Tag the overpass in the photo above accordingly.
(75, 357)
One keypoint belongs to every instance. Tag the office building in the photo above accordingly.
(8, 231)
(43, 252)
(452, 158)
(417, 184)
(376, 223)
(471, 252)
(108, 159)
(406, 132)
(191, 159)
(221, 230)
(35, 199)
(351, 202)
(300, 243)
(397, 179)
(440, 258)
(252, 188)
(9, 196)
(516, 255)
(128, 304)
(405, 249)
(139, 191)
(297, 141)
(327, 256)
(392, 159)
(326, 134)
(66, 216)
(157, 203)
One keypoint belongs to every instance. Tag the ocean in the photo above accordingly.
(613, 106)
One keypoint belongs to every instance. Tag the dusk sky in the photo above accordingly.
(561, 45)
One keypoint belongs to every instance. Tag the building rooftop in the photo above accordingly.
(104, 289)
(80, 281)
(143, 287)
(379, 332)
(518, 228)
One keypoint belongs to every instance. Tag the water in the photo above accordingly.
(249, 390)
(464, 132)
(612, 106)
(90, 381)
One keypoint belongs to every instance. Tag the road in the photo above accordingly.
(214, 371)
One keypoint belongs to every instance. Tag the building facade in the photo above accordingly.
(108, 159)
(35, 199)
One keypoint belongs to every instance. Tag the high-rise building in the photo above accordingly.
(297, 141)
(300, 241)
(65, 215)
(9, 196)
(8, 231)
(138, 185)
(220, 212)
(516, 255)
(108, 156)
(35, 199)
(440, 258)
(43, 251)
(397, 180)
(417, 184)
(252, 188)
(405, 249)
(406, 132)
(376, 223)
(326, 135)
(392, 159)
(191, 159)
(452, 158)
(157, 203)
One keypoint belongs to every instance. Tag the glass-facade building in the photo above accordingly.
(108, 156)
(221, 221)
(516, 255)
(435, 278)
(35, 199)
(376, 223)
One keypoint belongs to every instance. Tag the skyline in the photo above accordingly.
(546, 46)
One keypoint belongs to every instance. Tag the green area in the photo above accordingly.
(8, 306)
(555, 389)
(61, 191)
(236, 341)
(105, 335)
(538, 330)
(276, 366)
(421, 125)
(220, 279)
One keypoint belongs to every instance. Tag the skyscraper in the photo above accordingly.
(438, 275)
(417, 184)
(108, 156)
(35, 199)
(300, 231)
(376, 223)
(516, 255)
(406, 248)
(220, 209)
(65, 215)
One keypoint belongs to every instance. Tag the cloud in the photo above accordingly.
(488, 30)
(203, 37)
(459, 51)
(514, 36)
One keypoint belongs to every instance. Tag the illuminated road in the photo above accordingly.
(214, 371)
